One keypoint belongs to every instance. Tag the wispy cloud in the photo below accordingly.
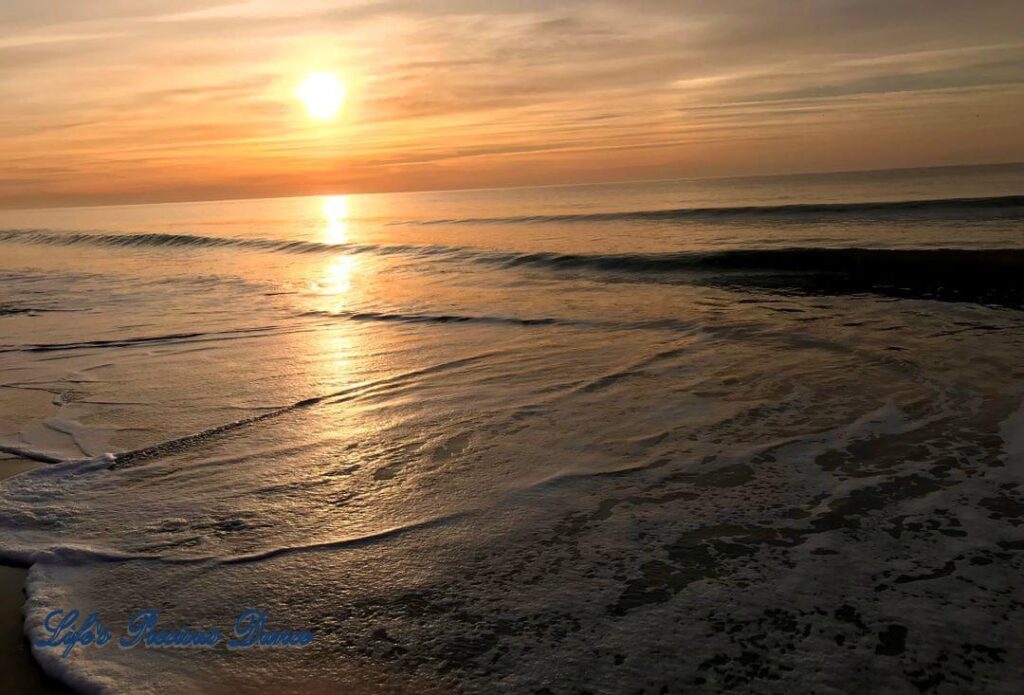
(146, 99)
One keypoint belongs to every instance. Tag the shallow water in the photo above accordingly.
(748, 433)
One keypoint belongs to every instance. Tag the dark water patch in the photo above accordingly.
(19, 310)
(892, 641)
(969, 275)
(1003, 507)
(10, 310)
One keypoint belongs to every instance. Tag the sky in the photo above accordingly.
(120, 101)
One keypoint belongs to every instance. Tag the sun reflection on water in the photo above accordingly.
(337, 276)
(335, 211)
(337, 272)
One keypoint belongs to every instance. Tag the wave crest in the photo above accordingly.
(956, 274)
(1001, 206)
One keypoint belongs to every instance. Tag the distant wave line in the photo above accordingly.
(162, 239)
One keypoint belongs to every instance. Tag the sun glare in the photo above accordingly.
(322, 93)
(335, 212)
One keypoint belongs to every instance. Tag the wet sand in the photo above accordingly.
(19, 672)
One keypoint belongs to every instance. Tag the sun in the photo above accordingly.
(322, 93)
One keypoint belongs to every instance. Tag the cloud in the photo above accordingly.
(179, 95)
(33, 14)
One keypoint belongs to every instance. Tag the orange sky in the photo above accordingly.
(143, 100)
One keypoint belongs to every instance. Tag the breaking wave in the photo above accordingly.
(954, 274)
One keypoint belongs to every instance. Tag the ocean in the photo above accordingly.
(759, 434)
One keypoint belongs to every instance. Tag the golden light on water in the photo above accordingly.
(337, 276)
(335, 207)
(335, 210)
(322, 93)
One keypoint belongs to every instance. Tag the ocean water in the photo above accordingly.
(751, 434)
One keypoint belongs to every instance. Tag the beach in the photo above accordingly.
(20, 672)
(735, 434)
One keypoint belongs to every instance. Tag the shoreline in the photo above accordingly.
(19, 672)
